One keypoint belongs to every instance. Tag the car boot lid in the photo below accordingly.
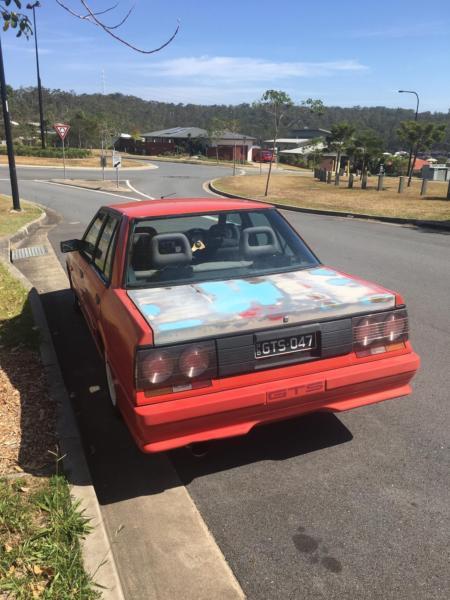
(215, 308)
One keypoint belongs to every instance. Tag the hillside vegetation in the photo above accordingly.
(121, 113)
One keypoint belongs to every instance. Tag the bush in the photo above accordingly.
(48, 152)
(295, 160)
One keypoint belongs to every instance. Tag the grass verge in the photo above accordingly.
(40, 526)
(11, 221)
(40, 529)
(306, 192)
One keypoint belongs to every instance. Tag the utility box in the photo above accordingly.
(436, 172)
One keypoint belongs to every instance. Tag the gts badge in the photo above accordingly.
(297, 391)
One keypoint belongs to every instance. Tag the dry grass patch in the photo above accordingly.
(11, 221)
(307, 192)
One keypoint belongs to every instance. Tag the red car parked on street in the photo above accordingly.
(213, 316)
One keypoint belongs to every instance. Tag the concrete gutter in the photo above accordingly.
(23, 232)
(439, 225)
(97, 553)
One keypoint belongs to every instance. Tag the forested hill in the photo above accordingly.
(129, 113)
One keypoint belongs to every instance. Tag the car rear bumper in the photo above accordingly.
(171, 424)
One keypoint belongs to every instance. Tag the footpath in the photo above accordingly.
(147, 545)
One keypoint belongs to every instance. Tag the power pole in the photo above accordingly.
(41, 107)
(8, 136)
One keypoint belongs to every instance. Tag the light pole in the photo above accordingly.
(415, 119)
(41, 109)
(8, 136)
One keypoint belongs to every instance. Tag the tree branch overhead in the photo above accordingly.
(93, 17)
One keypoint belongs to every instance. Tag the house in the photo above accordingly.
(192, 140)
(301, 141)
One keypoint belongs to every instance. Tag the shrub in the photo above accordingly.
(48, 152)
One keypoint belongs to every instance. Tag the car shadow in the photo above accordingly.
(273, 442)
(119, 470)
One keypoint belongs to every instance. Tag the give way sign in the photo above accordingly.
(61, 129)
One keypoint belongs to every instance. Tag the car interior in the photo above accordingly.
(188, 247)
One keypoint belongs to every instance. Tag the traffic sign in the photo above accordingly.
(116, 160)
(62, 130)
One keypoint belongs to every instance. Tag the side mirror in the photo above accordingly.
(71, 245)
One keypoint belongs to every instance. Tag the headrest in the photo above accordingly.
(250, 246)
(170, 249)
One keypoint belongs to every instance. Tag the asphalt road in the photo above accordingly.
(350, 506)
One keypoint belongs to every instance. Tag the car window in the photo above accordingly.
(225, 245)
(91, 235)
(105, 246)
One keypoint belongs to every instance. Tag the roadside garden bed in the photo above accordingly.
(40, 527)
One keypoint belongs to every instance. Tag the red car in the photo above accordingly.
(264, 156)
(213, 316)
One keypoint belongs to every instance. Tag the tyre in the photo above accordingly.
(111, 386)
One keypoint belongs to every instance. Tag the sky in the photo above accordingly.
(346, 53)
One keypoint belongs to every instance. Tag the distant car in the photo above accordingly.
(264, 156)
(213, 316)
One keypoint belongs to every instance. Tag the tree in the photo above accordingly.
(215, 129)
(85, 131)
(367, 147)
(135, 134)
(421, 136)
(341, 135)
(276, 103)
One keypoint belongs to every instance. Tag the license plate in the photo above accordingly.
(286, 345)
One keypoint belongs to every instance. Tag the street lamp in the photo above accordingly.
(417, 98)
(41, 110)
(415, 119)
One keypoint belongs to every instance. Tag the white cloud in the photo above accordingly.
(249, 69)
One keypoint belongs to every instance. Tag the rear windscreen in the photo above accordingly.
(200, 247)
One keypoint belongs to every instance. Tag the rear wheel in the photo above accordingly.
(111, 385)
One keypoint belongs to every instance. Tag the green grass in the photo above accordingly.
(16, 319)
(11, 221)
(40, 529)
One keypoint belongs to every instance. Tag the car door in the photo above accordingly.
(98, 274)
(79, 264)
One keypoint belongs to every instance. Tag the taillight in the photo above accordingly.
(158, 367)
(194, 361)
(175, 368)
(374, 333)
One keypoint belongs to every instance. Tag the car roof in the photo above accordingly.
(182, 206)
